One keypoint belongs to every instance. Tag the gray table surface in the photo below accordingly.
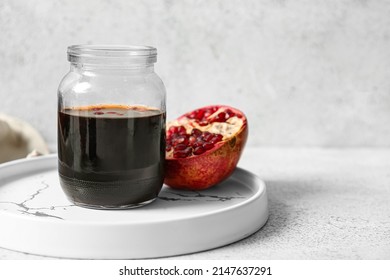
(324, 204)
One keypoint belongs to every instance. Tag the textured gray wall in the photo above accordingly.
(307, 73)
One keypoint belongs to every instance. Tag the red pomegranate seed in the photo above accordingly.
(208, 146)
(179, 154)
(182, 153)
(221, 117)
(180, 147)
(181, 139)
(168, 148)
(196, 132)
(199, 150)
(173, 140)
(216, 138)
(181, 130)
(198, 143)
(207, 114)
(192, 115)
(184, 140)
(199, 114)
(229, 114)
(98, 113)
(173, 129)
(207, 136)
(191, 140)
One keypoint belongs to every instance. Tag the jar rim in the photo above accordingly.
(135, 53)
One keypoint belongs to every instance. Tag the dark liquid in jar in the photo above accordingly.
(111, 156)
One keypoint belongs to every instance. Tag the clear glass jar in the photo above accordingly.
(111, 127)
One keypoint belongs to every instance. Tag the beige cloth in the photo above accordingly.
(19, 139)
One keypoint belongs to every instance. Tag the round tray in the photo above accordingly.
(36, 217)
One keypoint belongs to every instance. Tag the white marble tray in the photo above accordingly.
(35, 217)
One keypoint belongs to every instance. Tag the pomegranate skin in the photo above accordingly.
(208, 169)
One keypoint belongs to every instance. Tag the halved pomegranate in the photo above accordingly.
(204, 146)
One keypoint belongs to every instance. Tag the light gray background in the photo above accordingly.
(306, 73)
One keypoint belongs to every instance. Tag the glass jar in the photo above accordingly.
(111, 127)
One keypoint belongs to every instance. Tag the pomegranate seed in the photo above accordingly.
(112, 113)
(199, 114)
(208, 146)
(207, 136)
(173, 136)
(173, 129)
(192, 115)
(196, 132)
(168, 148)
(229, 114)
(198, 143)
(173, 141)
(180, 147)
(199, 150)
(191, 140)
(221, 117)
(181, 130)
(216, 138)
(179, 154)
(207, 114)
(180, 140)
(185, 141)
(182, 153)
(214, 109)
(98, 113)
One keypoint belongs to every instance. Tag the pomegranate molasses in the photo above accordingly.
(111, 156)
